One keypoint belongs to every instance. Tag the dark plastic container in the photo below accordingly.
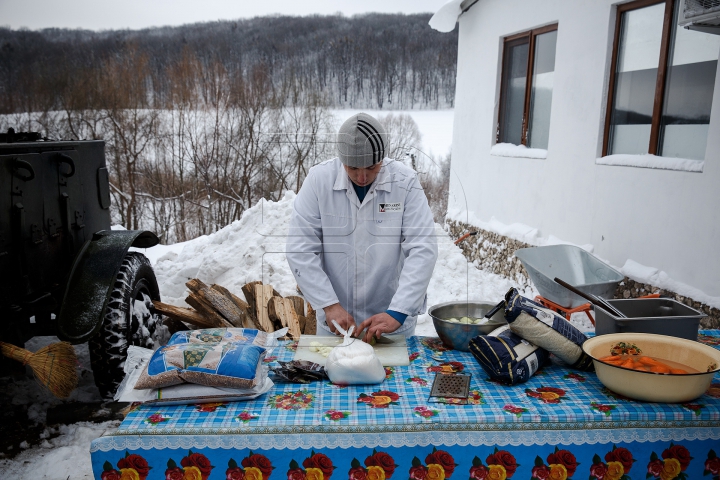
(663, 316)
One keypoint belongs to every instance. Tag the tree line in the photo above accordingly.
(367, 61)
(193, 136)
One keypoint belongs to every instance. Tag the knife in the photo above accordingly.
(381, 341)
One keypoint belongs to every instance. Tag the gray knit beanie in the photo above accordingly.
(361, 141)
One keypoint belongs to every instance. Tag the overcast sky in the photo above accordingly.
(135, 14)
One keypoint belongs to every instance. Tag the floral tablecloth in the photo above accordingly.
(560, 424)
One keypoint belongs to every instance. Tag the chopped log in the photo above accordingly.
(302, 320)
(263, 294)
(310, 321)
(187, 315)
(298, 303)
(207, 310)
(249, 291)
(238, 311)
(222, 304)
(283, 310)
(241, 304)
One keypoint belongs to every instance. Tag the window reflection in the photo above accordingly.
(515, 62)
(542, 88)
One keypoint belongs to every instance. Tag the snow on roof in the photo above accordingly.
(444, 19)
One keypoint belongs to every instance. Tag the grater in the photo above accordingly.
(450, 385)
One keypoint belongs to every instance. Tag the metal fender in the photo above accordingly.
(91, 280)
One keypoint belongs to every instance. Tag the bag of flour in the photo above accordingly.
(353, 362)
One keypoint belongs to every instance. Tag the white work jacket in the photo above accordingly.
(369, 256)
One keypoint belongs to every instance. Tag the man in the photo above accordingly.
(360, 243)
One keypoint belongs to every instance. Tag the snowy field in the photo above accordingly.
(248, 249)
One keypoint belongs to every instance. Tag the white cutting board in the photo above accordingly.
(393, 354)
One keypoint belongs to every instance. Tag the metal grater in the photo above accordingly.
(451, 385)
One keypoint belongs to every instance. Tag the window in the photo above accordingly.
(527, 85)
(661, 83)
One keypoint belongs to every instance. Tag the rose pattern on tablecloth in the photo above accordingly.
(604, 408)
(446, 367)
(513, 410)
(414, 356)
(378, 466)
(245, 417)
(671, 465)
(336, 415)
(616, 466)
(339, 386)
(439, 465)
(434, 344)
(417, 381)
(317, 466)
(254, 467)
(292, 346)
(130, 467)
(546, 394)
(389, 373)
(694, 407)
(194, 466)
(561, 465)
(575, 376)
(300, 400)
(209, 407)
(712, 465)
(425, 412)
(270, 359)
(379, 399)
(501, 465)
(157, 418)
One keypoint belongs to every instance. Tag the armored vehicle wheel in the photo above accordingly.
(130, 319)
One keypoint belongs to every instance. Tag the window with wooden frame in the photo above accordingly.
(661, 83)
(528, 68)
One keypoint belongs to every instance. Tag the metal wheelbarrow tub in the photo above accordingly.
(575, 266)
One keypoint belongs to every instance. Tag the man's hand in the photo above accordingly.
(378, 324)
(337, 312)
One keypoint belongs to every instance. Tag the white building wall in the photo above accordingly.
(660, 218)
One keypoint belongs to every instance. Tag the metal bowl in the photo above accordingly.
(457, 335)
(655, 387)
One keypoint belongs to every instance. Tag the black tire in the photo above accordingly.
(123, 323)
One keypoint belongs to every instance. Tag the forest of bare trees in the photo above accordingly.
(201, 122)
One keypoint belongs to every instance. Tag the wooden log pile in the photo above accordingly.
(263, 309)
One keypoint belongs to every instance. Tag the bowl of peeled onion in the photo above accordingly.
(653, 368)
(456, 323)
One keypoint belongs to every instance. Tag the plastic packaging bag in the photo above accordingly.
(353, 362)
(138, 359)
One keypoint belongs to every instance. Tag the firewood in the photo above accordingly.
(298, 303)
(207, 310)
(302, 320)
(187, 315)
(263, 294)
(222, 304)
(310, 321)
(249, 291)
(240, 303)
(283, 310)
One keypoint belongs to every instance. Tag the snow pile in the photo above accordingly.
(65, 456)
(517, 151)
(652, 161)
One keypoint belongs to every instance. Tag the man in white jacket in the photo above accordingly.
(361, 241)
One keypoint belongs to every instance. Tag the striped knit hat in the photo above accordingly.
(361, 141)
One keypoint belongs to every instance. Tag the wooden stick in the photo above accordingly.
(249, 291)
(298, 303)
(283, 310)
(241, 304)
(187, 315)
(263, 294)
(199, 304)
(310, 321)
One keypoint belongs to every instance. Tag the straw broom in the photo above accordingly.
(53, 365)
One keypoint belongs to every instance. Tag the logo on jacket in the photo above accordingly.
(390, 207)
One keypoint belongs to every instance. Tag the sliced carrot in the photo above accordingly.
(629, 363)
(610, 358)
(678, 371)
(660, 369)
(648, 361)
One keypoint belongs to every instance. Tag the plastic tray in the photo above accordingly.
(663, 316)
(573, 265)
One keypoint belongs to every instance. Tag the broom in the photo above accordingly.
(53, 365)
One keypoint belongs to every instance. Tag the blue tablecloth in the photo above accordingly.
(561, 424)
